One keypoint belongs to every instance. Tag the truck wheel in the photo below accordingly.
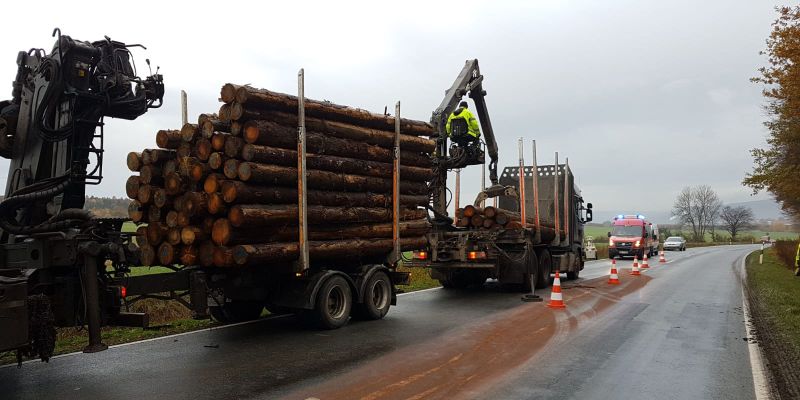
(332, 304)
(576, 272)
(377, 298)
(545, 269)
(236, 311)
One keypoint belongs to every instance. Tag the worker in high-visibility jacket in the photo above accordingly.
(462, 126)
(797, 261)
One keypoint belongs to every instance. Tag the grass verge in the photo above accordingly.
(774, 285)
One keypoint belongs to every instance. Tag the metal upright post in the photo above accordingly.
(396, 187)
(457, 194)
(303, 264)
(535, 169)
(523, 215)
(184, 109)
(556, 222)
(567, 211)
(483, 176)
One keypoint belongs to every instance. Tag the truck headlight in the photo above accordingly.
(637, 243)
(610, 243)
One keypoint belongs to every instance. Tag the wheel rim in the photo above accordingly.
(336, 302)
(379, 294)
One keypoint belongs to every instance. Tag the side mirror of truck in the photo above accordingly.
(589, 206)
(609, 234)
(589, 213)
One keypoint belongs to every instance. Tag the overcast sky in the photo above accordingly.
(644, 97)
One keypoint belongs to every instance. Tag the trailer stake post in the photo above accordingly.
(396, 255)
(303, 263)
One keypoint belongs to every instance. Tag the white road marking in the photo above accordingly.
(756, 358)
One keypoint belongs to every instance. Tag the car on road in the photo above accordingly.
(675, 243)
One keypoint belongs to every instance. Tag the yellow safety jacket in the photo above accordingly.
(465, 114)
(797, 261)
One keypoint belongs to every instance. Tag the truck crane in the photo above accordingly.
(53, 253)
(525, 255)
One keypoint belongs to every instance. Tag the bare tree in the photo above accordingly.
(736, 219)
(699, 208)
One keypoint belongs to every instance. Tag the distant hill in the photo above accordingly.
(763, 209)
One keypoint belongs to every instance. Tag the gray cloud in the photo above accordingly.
(644, 97)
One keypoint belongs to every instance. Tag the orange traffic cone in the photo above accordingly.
(661, 257)
(556, 300)
(635, 269)
(613, 278)
(645, 264)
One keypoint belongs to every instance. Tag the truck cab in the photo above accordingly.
(632, 235)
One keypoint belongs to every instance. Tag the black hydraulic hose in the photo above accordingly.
(65, 219)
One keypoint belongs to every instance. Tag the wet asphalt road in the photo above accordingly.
(679, 337)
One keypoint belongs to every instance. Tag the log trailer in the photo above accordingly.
(532, 241)
(60, 266)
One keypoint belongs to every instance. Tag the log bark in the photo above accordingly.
(202, 149)
(231, 168)
(236, 192)
(136, 211)
(218, 141)
(189, 132)
(151, 174)
(213, 183)
(145, 195)
(254, 216)
(233, 146)
(266, 254)
(324, 180)
(166, 254)
(173, 236)
(132, 186)
(383, 138)
(161, 199)
(154, 214)
(147, 255)
(271, 134)
(213, 125)
(156, 233)
(156, 156)
(217, 160)
(224, 233)
(205, 253)
(192, 234)
(265, 99)
(188, 255)
(215, 205)
(288, 158)
(223, 257)
(134, 161)
(228, 92)
(168, 139)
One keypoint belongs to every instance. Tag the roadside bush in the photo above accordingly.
(786, 249)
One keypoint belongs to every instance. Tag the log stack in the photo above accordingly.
(493, 218)
(223, 192)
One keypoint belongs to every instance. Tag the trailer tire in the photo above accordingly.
(544, 270)
(236, 311)
(576, 272)
(377, 298)
(332, 304)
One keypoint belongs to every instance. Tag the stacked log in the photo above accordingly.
(493, 218)
(223, 192)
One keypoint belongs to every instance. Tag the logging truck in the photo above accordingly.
(534, 228)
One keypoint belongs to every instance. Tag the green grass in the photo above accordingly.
(778, 290)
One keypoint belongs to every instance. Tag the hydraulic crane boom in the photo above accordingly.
(469, 82)
(53, 253)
